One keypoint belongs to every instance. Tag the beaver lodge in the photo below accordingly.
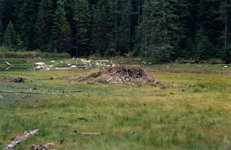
(121, 74)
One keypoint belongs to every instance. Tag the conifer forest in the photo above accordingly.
(160, 30)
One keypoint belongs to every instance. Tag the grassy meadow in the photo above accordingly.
(190, 111)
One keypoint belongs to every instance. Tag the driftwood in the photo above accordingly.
(7, 63)
(88, 133)
(21, 138)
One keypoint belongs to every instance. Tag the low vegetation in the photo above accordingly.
(31, 54)
(189, 111)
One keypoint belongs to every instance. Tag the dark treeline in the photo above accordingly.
(162, 30)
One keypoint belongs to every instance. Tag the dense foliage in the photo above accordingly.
(161, 30)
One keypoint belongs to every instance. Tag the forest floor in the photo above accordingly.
(192, 110)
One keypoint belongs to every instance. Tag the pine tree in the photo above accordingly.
(10, 36)
(61, 29)
(1, 32)
(26, 12)
(124, 29)
(159, 28)
(81, 18)
(183, 27)
(203, 47)
(43, 26)
(101, 28)
(7, 12)
(225, 17)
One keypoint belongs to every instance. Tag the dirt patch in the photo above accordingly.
(121, 74)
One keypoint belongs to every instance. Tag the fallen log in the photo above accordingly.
(21, 138)
(89, 133)
(72, 91)
(7, 63)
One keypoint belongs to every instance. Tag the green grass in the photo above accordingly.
(189, 68)
(191, 111)
(26, 64)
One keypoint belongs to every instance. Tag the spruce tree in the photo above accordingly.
(61, 29)
(203, 47)
(10, 36)
(81, 18)
(225, 36)
(101, 28)
(26, 12)
(1, 32)
(159, 28)
(43, 26)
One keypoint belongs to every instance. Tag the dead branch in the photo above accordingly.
(6, 62)
(21, 138)
(88, 133)
(72, 91)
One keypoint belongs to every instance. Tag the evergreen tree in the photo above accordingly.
(26, 12)
(43, 26)
(1, 32)
(81, 18)
(203, 47)
(101, 28)
(182, 35)
(124, 28)
(10, 36)
(61, 29)
(224, 18)
(159, 28)
(7, 11)
(162, 30)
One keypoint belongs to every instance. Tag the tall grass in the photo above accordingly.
(191, 111)
(30, 54)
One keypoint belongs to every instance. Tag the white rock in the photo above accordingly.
(51, 66)
(40, 63)
(73, 66)
(1, 97)
(38, 67)
(69, 64)
(52, 61)
(226, 66)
